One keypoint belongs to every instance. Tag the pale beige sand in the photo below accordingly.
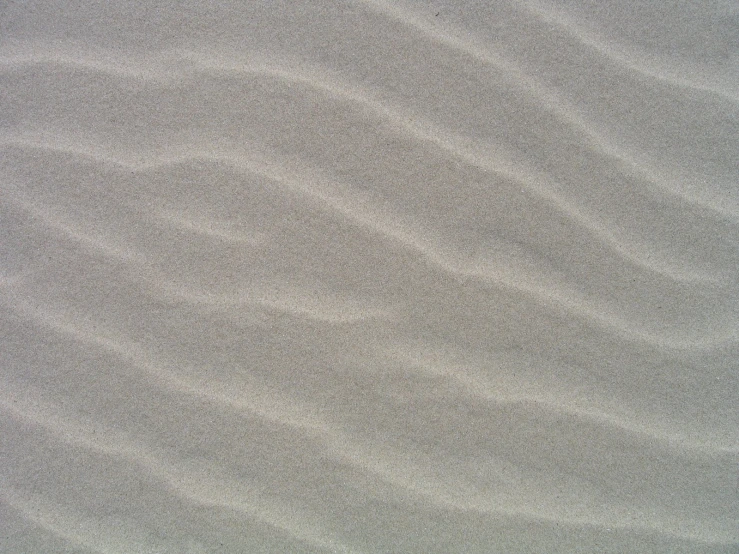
(360, 277)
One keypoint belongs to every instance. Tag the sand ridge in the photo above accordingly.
(368, 276)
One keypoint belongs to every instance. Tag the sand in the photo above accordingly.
(369, 277)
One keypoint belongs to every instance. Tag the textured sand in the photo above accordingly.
(369, 277)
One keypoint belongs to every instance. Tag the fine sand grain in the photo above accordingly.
(369, 277)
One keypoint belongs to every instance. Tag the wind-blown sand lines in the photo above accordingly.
(263, 403)
(189, 66)
(199, 225)
(341, 446)
(86, 240)
(260, 403)
(284, 299)
(540, 185)
(632, 253)
(187, 482)
(630, 59)
(499, 272)
(477, 49)
(368, 276)
(190, 482)
(501, 393)
(549, 67)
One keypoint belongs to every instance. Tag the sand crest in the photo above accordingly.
(369, 276)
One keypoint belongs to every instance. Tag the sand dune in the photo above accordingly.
(369, 277)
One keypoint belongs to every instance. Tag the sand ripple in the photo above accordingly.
(368, 277)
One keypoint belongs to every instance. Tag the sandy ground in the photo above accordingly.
(369, 277)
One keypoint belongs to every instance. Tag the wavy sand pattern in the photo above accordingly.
(373, 276)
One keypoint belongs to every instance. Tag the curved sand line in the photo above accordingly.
(171, 70)
(487, 272)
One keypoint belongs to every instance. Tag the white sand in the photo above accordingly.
(368, 277)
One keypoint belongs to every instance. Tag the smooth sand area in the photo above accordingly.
(369, 277)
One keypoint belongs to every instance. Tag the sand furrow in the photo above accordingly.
(497, 272)
(208, 488)
(190, 67)
(630, 59)
(256, 401)
(536, 10)
(197, 486)
(369, 276)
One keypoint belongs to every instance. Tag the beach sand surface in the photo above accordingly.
(369, 277)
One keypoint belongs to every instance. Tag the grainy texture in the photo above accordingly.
(369, 277)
